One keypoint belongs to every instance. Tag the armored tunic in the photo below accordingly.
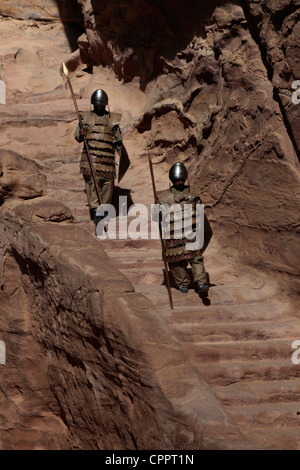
(103, 137)
(176, 242)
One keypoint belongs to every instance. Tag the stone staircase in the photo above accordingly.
(239, 339)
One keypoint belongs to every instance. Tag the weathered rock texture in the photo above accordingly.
(20, 177)
(275, 25)
(97, 363)
(93, 351)
(46, 10)
(216, 94)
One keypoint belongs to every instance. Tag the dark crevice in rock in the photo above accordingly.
(156, 29)
(235, 175)
(145, 123)
(188, 103)
(62, 413)
(29, 268)
(74, 361)
(280, 15)
(88, 69)
(286, 123)
(254, 31)
(108, 345)
(94, 342)
(74, 28)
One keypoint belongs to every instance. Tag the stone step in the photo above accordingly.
(146, 254)
(143, 275)
(118, 244)
(217, 295)
(203, 315)
(230, 372)
(136, 269)
(273, 415)
(252, 313)
(283, 438)
(279, 349)
(242, 331)
(152, 276)
(136, 260)
(258, 392)
(119, 237)
(136, 255)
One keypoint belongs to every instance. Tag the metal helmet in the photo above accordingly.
(99, 98)
(178, 172)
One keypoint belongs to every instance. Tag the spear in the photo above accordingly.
(166, 270)
(66, 72)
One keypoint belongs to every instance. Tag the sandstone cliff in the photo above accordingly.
(94, 357)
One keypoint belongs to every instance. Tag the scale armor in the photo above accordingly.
(101, 141)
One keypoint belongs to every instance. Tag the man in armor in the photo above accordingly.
(103, 137)
(177, 251)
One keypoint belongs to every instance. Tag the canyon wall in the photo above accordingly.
(90, 364)
(214, 85)
(210, 85)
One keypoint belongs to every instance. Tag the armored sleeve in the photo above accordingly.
(118, 138)
(77, 135)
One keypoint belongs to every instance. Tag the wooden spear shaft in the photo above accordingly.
(166, 270)
(66, 72)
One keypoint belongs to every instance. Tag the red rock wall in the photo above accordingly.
(209, 87)
(276, 26)
(45, 10)
(90, 364)
(217, 81)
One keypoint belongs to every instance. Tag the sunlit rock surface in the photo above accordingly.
(95, 357)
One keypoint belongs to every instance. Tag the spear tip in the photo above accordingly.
(65, 70)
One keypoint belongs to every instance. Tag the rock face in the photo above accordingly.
(93, 349)
(47, 10)
(135, 37)
(77, 374)
(19, 177)
(218, 95)
(276, 25)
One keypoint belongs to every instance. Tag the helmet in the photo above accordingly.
(178, 172)
(99, 98)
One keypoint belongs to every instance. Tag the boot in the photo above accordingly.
(183, 289)
(201, 287)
